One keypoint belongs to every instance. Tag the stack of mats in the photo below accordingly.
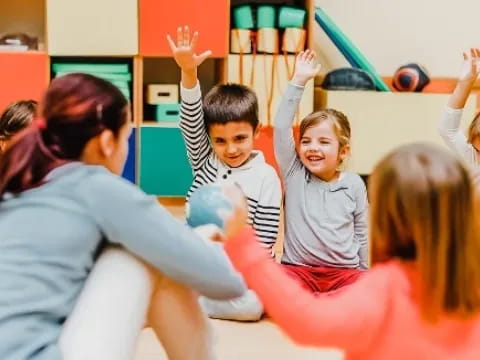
(118, 74)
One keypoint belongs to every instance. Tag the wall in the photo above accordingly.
(391, 32)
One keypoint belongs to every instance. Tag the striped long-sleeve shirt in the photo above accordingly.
(258, 180)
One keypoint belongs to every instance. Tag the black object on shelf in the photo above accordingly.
(348, 79)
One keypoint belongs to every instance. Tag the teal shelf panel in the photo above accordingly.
(164, 167)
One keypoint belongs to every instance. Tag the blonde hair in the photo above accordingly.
(474, 128)
(341, 125)
(423, 209)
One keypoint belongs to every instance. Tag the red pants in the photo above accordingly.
(322, 279)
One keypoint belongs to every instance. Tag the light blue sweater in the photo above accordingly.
(49, 240)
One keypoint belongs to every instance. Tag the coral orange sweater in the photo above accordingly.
(375, 318)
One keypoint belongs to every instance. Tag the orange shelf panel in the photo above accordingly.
(159, 18)
(264, 142)
(24, 76)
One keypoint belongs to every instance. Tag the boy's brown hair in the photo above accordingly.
(230, 102)
(423, 210)
(17, 116)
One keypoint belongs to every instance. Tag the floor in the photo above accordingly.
(241, 341)
(235, 341)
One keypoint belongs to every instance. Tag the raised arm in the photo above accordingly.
(129, 217)
(284, 143)
(191, 114)
(449, 125)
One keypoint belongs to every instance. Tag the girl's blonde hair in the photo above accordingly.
(423, 208)
(340, 122)
(474, 128)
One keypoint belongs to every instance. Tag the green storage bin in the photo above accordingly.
(291, 17)
(167, 112)
(90, 68)
(243, 17)
(265, 16)
(106, 76)
(164, 167)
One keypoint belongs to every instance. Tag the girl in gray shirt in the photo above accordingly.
(61, 198)
(325, 209)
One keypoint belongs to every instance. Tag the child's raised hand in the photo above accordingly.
(184, 50)
(306, 67)
(471, 65)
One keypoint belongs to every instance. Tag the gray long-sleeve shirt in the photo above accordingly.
(325, 223)
(50, 236)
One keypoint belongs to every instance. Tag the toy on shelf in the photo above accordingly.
(348, 79)
(410, 77)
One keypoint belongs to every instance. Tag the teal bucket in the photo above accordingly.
(265, 16)
(243, 17)
(290, 17)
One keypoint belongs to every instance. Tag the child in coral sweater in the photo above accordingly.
(421, 299)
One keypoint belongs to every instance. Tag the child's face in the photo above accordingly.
(109, 150)
(232, 142)
(320, 152)
(120, 153)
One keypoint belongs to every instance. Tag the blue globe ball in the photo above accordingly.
(206, 205)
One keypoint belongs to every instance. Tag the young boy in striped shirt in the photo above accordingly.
(219, 139)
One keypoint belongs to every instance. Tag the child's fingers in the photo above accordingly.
(311, 56)
(299, 56)
(201, 58)
(305, 55)
(472, 53)
(477, 52)
(186, 36)
(179, 36)
(193, 43)
(171, 43)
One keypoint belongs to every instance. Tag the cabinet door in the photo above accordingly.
(164, 167)
(159, 18)
(23, 76)
(92, 27)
